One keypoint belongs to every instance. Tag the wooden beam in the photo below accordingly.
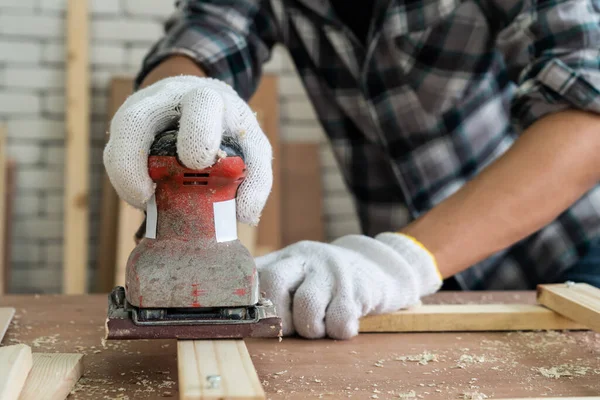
(77, 150)
(227, 361)
(119, 89)
(15, 364)
(130, 219)
(6, 315)
(3, 215)
(468, 317)
(302, 196)
(265, 102)
(53, 375)
(577, 301)
(9, 200)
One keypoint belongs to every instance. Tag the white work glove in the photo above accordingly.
(323, 289)
(206, 110)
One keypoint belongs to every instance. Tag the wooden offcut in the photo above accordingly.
(6, 315)
(77, 150)
(469, 317)
(52, 376)
(302, 193)
(15, 364)
(120, 89)
(229, 360)
(577, 301)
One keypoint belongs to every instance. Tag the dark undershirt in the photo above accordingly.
(357, 17)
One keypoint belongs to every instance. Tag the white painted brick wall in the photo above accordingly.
(35, 77)
(32, 77)
(29, 51)
(125, 30)
(32, 26)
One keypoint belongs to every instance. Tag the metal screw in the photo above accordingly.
(570, 284)
(214, 381)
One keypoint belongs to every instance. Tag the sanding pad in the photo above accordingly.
(120, 326)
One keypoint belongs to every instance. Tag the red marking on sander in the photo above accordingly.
(240, 292)
(195, 294)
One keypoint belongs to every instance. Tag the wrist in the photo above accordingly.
(174, 65)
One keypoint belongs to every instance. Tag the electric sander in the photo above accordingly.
(190, 277)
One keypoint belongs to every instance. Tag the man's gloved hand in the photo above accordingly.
(205, 109)
(323, 289)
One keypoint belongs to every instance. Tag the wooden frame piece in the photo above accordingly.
(578, 301)
(6, 315)
(469, 317)
(77, 150)
(216, 369)
(53, 375)
(15, 364)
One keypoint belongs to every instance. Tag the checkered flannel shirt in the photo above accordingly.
(442, 89)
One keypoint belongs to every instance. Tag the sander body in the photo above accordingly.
(190, 277)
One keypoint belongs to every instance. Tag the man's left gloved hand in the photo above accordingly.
(323, 289)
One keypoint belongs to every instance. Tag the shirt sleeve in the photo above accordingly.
(560, 43)
(228, 39)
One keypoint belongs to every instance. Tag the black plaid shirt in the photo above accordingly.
(439, 91)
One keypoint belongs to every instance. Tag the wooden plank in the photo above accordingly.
(198, 360)
(6, 315)
(302, 193)
(54, 375)
(77, 150)
(265, 103)
(119, 89)
(130, 219)
(469, 317)
(578, 301)
(3, 215)
(15, 364)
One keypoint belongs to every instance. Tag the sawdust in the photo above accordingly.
(407, 395)
(559, 371)
(423, 358)
(473, 396)
(45, 340)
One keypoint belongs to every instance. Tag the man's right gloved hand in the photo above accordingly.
(206, 109)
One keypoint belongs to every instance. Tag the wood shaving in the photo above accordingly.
(474, 396)
(562, 370)
(407, 395)
(423, 358)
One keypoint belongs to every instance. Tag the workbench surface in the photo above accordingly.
(447, 365)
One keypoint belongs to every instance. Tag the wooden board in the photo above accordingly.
(302, 193)
(199, 360)
(130, 219)
(77, 144)
(468, 318)
(504, 364)
(578, 301)
(265, 103)
(119, 89)
(15, 364)
(6, 315)
(54, 375)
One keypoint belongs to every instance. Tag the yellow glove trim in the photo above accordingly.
(421, 245)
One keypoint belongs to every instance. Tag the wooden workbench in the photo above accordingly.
(499, 365)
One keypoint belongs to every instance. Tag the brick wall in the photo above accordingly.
(32, 101)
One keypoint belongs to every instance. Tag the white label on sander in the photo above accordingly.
(225, 220)
(151, 218)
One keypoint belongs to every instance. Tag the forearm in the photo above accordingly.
(172, 66)
(547, 169)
